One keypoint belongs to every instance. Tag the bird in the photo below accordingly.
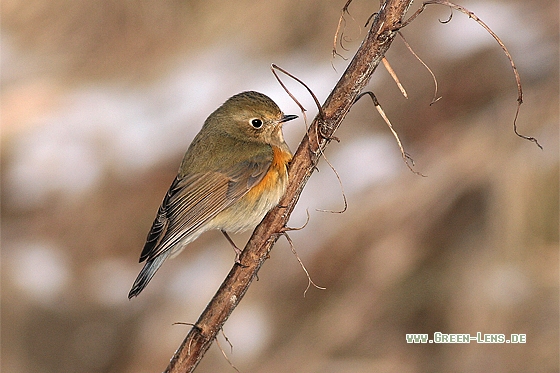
(233, 173)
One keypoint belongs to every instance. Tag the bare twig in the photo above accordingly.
(275, 67)
(309, 280)
(341, 188)
(224, 353)
(289, 229)
(335, 109)
(321, 115)
(340, 31)
(394, 76)
(498, 40)
(435, 98)
(406, 157)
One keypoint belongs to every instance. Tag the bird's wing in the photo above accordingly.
(194, 199)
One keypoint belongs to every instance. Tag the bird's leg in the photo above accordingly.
(235, 248)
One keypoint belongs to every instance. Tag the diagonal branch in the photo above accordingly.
(335, 108)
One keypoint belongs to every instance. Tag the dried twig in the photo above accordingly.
(340, 31)
(341, 188)
(275, 67)
(406, 157)
(394, 76)
(498, 40)
(435, 98)
(309, 280)
(321, 115)
(289, 229)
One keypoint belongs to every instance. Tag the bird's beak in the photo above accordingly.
(287, 118)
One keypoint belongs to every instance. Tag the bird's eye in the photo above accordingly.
(256, 123)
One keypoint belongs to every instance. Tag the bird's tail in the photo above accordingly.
(146, 274)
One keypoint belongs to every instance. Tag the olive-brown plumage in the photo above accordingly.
(232, 174)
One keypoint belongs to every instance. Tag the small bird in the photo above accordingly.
(232, 174)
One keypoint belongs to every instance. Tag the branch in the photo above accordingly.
(335, 108)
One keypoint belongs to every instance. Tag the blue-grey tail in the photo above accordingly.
(146, 274)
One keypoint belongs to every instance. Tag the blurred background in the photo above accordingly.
(101, 99)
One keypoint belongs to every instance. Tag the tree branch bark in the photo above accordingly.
(335, 109)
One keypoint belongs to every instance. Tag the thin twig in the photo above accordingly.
(340, 33)
(498, 40)
(448, 18)
(306, 127)
(224, 353)
(319, 108)
(435, 98)
(288, 229)
(394, 76)
(341, 188)
(227, 340)
(406, 157)
(309, 280)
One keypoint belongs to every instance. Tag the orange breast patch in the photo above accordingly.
(273, 181)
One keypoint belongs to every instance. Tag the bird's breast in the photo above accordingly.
(273, 184)
(252, 207)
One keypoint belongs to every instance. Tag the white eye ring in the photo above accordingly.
(256, 123)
